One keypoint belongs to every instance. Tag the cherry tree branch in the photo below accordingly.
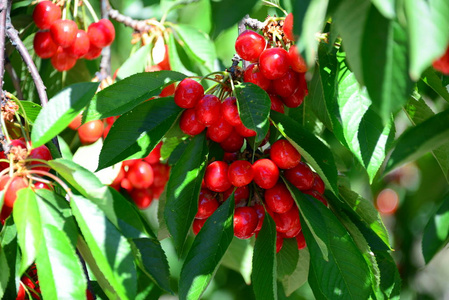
(3, 12)
(137, 25)
(14, 78)
(105, 63)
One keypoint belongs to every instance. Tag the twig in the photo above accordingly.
(17, 42)
(250, 22)
(137, 25)
(105, 63)
(14, 78)
(3, 11)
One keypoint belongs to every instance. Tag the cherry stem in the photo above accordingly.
(55, 178)
(91, 10)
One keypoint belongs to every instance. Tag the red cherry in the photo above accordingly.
(296, 99)
(129, 163)
(249, 45)
(207, 204)
(90, 132)
(62, 61)
(279, 241)
(260, 214)
(42, 153)
(165, 63)
(6, 211)
(76, 122)
(93, 52)
(101, 33)
(126, 184)
(274, 63)
(300, 240)
(229, 157)
(278, 198)
(245, 222)
(300, 176)
(288, 223)
(169, 90)
(233, 142)
(230, 111)
(141, 175)
(45, 13)
(252, 74)
(43, 44)
(241, 194)
(284, 154)
(219, 131)
(208, 110)
(240, 173)
(317, 196)
(216, 177)
(188, 93)
(266, 173)
(120, 176)
(245, 131)
(296, 60)
(287, 84)
(276, 103)
(318, 184)
(442, 63)
(161, 174)
(3, 165)
(12, 186)
(197, 225)
(80, 46)
(288, 27)
(155, 154)
(64, 32)
(142, 197)
(189, 124)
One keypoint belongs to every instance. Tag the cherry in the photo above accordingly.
(274, 63)
(245, 222)
(219, 131)
(266, 173)
(230, 111)
(43, 44)
(189, 124)
(287, 84)
(80, 46)
(197, 225)
(169, 90)
(120, 176)
(252, 74)
(142, 197)
(161, 174)
(208, 110)
(126, 184)
(278, 198)
(155, 154)
(62, 61)
(288, 27)
(165, 63)
(229, 157)
(245, 131)
(64, 32)
(207, 204)
(101, 33)
(45, 13)
(240, 194)
(216, 177)
(129, 163)
(279, 242)
(141, 175)
(90, 132)
(12, 186)
(76, 122)
(442, 63)
(3, 165)
(300, 176)
(288, 223)
(296, 99)
(240, 173)
(42, 153)
(318, 184)
(296, 60)
(276, 103)
(188, 93)
(317, 196)
(300, 240)
(249, 45)
(284, 154)
(93, 52)
(260, 214)
(6, 211)
(233, 142)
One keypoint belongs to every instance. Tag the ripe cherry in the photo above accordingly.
(208, 110)
(76, 122)
(189, 124)
(241, 194)
(276, 103)
(233, 142)
(249, 45)
(12, 186)
(287, 84)
(318, 184)
(300, 240)
(219, 131)
(42, 153)
(296, 60)
(266, 173)
(279, 241)
(62, 61)
(43, 44)
(188, 93)
(230, 111)
(274, 63)
(288, 27)
(296, 99)
(64, 32)
(207, 204)
(141, 175)
(288, 223)
(260, 214)
(240, 173)
(169, 90)
(252, 74)
(197, 225)
(161, 174)
(317, 196)
(278, 198)
(300, 176)
(284, 154)
(442, 64)
(45, 13)
(101, 33)
(142, 197)
(245, 222)
(155, 154)
(80, 46)
(216, 177)
(93, 52)
(244, 131)
(90, 132)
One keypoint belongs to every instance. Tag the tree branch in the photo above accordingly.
(105, 63)
(137, 25)
(3, 11)
(14, 78)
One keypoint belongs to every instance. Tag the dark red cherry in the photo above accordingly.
(189, 123)
(278, 198)
(43, 44)
(252, 74)
(207, 204)
(216, 176)
(233, 142)
(284, 154)
(142, 197)
(300, 176)
(245, 222)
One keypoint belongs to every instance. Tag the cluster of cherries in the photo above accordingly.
(62, 41)
(30, 282)
(143, 179)
(261, 180)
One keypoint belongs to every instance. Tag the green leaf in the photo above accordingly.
(9, 253)
(207, 251)
(227, 13)
(198, 45)
(390, 279)
(126, 94)
(385, 64)
(295, 280)
(385, 7)
(27, 219)
(264, 261)
(287, 258)
(111, 250)
(135, 63)
(418, 140)
(344, 274)
(152, 261)
(176, 63)
(431, 78)
(427, 24)
(29, 110)
(254, 108)
(5, 275)
(183, 189)
(239, 258)
(60, 111)
(436, 232)
(137, 132)
(317, 154)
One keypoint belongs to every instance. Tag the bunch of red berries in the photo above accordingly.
(30, 282)
(62, 41)
(143, 179)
